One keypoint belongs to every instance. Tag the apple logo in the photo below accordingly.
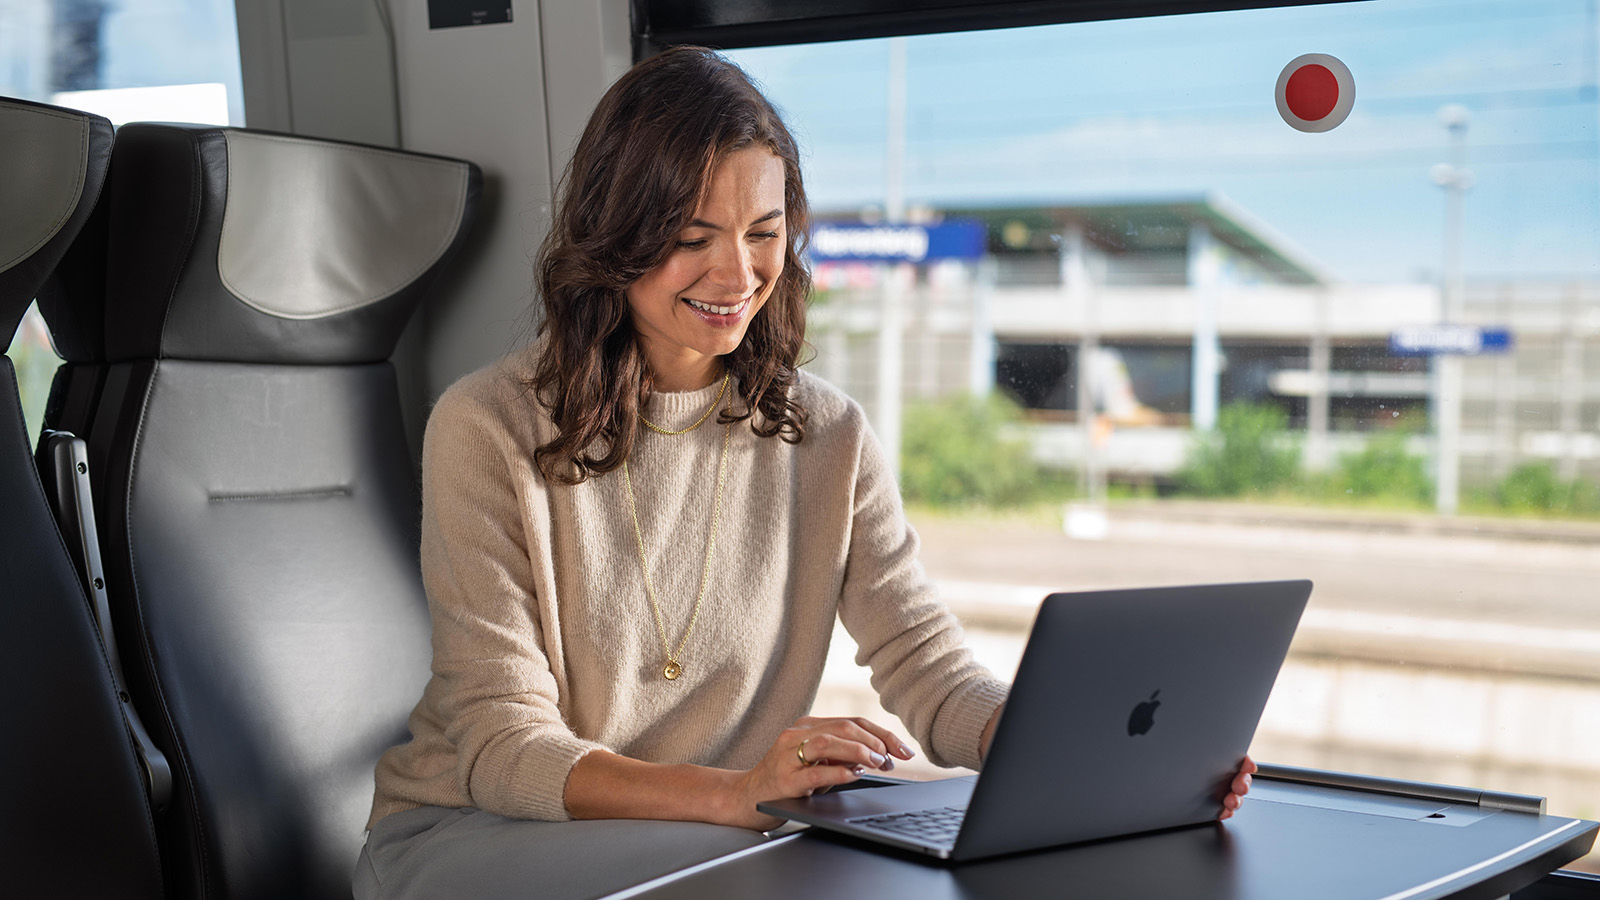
(1143, 716)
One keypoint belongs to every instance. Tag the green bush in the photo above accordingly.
(965, 451)
(1534, 487)
(1249, 452)
(1385, 470)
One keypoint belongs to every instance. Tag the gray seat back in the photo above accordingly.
(260, 504)
(79, 823)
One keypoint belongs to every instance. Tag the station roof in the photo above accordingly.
(1139, 225)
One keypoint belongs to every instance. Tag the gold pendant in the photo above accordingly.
(672, 670)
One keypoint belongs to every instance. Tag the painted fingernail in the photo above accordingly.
(878, 759)
(888, 765)
(857, 771)
(907, 752)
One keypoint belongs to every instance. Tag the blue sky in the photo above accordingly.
(1184, 105)
(1173, 105)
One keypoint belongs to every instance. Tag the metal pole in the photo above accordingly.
(891, 322)
(894, 191)
(1455, 179)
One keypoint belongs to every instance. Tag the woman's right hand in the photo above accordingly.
(811, 755)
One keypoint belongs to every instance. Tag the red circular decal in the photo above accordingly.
(1312, 92)
(1315, 92)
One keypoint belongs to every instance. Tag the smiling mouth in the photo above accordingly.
(717, 310)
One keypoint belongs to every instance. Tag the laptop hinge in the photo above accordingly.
(67, 457)
(1400, 787)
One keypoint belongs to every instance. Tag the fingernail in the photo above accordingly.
(1248, 781)
(857, 771)
(878, 759)
(907, 752)
(888, 765)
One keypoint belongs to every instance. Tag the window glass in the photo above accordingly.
(1232, 349)
(128, 60)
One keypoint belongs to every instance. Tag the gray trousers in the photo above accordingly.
(433, 852)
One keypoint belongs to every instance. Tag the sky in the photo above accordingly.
(1184, 105)
(1163, 107)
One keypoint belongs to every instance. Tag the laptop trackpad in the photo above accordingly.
(876, 800)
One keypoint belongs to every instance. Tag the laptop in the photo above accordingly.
(1130, 712)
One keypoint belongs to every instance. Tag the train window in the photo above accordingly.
(131, 60)
(1234, 349)
(149, 60)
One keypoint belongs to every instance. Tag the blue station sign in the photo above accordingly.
(1458, 340)
(951, 239)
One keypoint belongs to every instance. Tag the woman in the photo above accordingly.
(638, 533)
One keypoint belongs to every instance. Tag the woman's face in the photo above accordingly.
(697, 305)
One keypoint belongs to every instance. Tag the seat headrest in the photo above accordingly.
(52, 167)
(237, 245)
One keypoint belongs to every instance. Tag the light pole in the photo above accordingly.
(891, 321)
(1455, 178)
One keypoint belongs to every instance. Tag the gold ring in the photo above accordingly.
(800, 751)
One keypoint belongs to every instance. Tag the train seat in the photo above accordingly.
(79, 820)
(258, 504)
(228, 319)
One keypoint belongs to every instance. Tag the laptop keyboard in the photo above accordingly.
(935, 826)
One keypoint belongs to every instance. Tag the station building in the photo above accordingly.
(1157, 312)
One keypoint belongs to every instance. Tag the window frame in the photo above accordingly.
(729, 24)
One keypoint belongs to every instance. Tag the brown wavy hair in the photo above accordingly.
(636, 178)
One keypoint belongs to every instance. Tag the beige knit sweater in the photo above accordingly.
(544, 644)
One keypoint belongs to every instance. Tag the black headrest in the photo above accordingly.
(52, 167)
(232, 245)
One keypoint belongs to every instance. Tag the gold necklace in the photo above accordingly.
(703, 416)
(673, 667)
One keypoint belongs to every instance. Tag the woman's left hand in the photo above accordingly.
(1240, 787)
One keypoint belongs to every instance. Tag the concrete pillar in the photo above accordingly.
(891, 360)
(1505, 395)
(834, 354)
(1571, 381)
(1205, 275)
(1318, 451)
(1077, 288)
(980, 365)
(1447, 389)
(923, 304)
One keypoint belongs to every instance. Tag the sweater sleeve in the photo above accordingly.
(496, 694)
(921, 668)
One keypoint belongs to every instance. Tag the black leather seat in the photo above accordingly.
(259, 503)
(78, 821)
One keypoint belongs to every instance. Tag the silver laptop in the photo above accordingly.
(1130, 712)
